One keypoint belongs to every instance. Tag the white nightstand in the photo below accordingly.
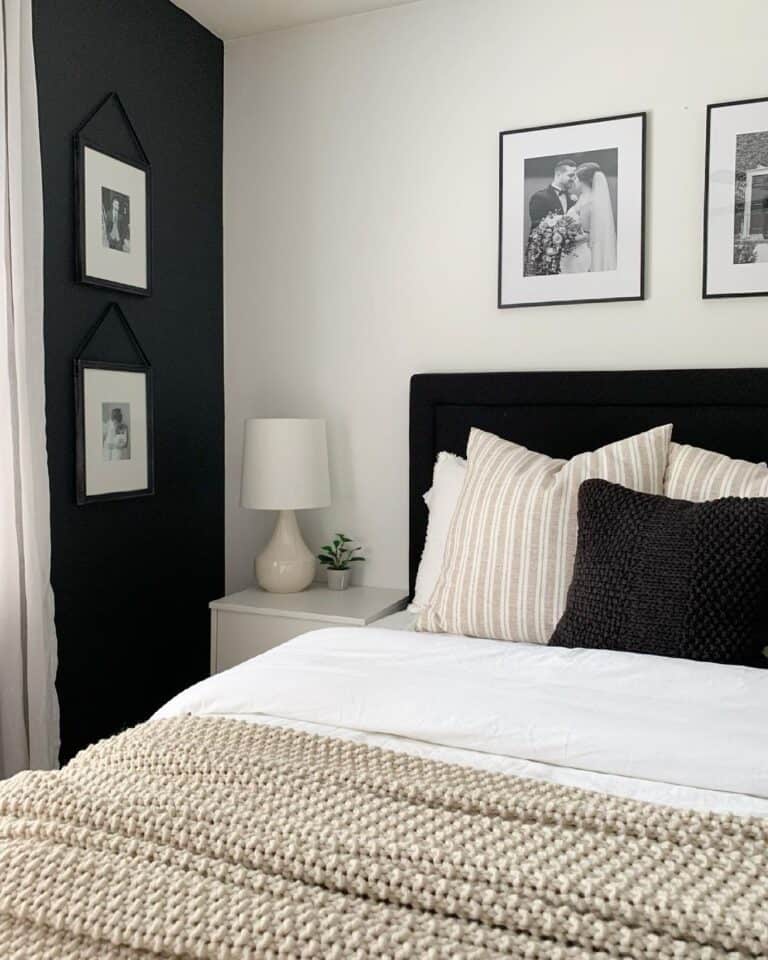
(248, 623)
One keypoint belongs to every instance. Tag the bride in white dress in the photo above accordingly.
(594, 212)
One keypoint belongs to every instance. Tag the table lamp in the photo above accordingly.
(285, 468)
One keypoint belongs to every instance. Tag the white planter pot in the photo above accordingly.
(339, 579)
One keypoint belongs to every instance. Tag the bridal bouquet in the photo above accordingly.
(554, 236)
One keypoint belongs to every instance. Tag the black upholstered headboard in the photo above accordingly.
(563, 414)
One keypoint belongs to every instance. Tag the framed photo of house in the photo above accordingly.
(572, 212)
(113, 219)
(736, 200)
(114, 431)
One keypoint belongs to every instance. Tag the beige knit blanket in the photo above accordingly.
(211, 838)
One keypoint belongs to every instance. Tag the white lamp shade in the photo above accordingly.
(285, 465)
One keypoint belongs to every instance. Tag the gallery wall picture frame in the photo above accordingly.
(572, 212)
(113, 210)
(114, 422)
(735, 262)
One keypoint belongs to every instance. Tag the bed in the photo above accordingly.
(384, 793)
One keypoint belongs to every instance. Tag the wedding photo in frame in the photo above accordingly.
(114, 430)
(736, 200)
(112, 211)
(572, 212)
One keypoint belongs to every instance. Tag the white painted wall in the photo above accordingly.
(361, 217)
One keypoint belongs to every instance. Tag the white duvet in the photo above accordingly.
(668, 731)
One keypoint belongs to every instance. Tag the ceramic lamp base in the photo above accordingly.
(287, 564)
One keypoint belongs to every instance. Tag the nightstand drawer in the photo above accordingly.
(236, 637)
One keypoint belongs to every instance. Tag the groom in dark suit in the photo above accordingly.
(556, 198)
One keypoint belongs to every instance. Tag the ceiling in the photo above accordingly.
(230, 19)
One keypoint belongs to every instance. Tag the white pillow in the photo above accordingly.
(441, 499)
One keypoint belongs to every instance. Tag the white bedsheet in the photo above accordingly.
(668, 731)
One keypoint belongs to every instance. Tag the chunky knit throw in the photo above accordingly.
(212, 838)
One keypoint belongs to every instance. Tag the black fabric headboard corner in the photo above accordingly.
(565, 413)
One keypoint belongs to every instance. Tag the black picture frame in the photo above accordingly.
(641, 295)
(142, 366)
(80, 439)
(81, 140)
(711, 107)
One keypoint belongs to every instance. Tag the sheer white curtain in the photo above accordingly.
(29, 715)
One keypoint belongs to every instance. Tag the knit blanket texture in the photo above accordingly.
(213, 838)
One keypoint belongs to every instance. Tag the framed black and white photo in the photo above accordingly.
(572, 212)
(114, 431)
(736, 200)
(113, 418)
(113, 217)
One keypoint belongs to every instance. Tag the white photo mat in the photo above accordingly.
(723, 277)
(128, 269)
(109, 387)
(626, 135)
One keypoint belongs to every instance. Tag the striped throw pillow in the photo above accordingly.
(508, 560)
(698, 475)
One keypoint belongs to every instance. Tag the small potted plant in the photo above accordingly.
(336, 557)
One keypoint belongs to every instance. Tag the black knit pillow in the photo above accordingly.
(678, 579)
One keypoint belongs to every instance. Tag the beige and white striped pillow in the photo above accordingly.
(696, 474)
(508, 560)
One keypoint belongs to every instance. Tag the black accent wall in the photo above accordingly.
(132, 579)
